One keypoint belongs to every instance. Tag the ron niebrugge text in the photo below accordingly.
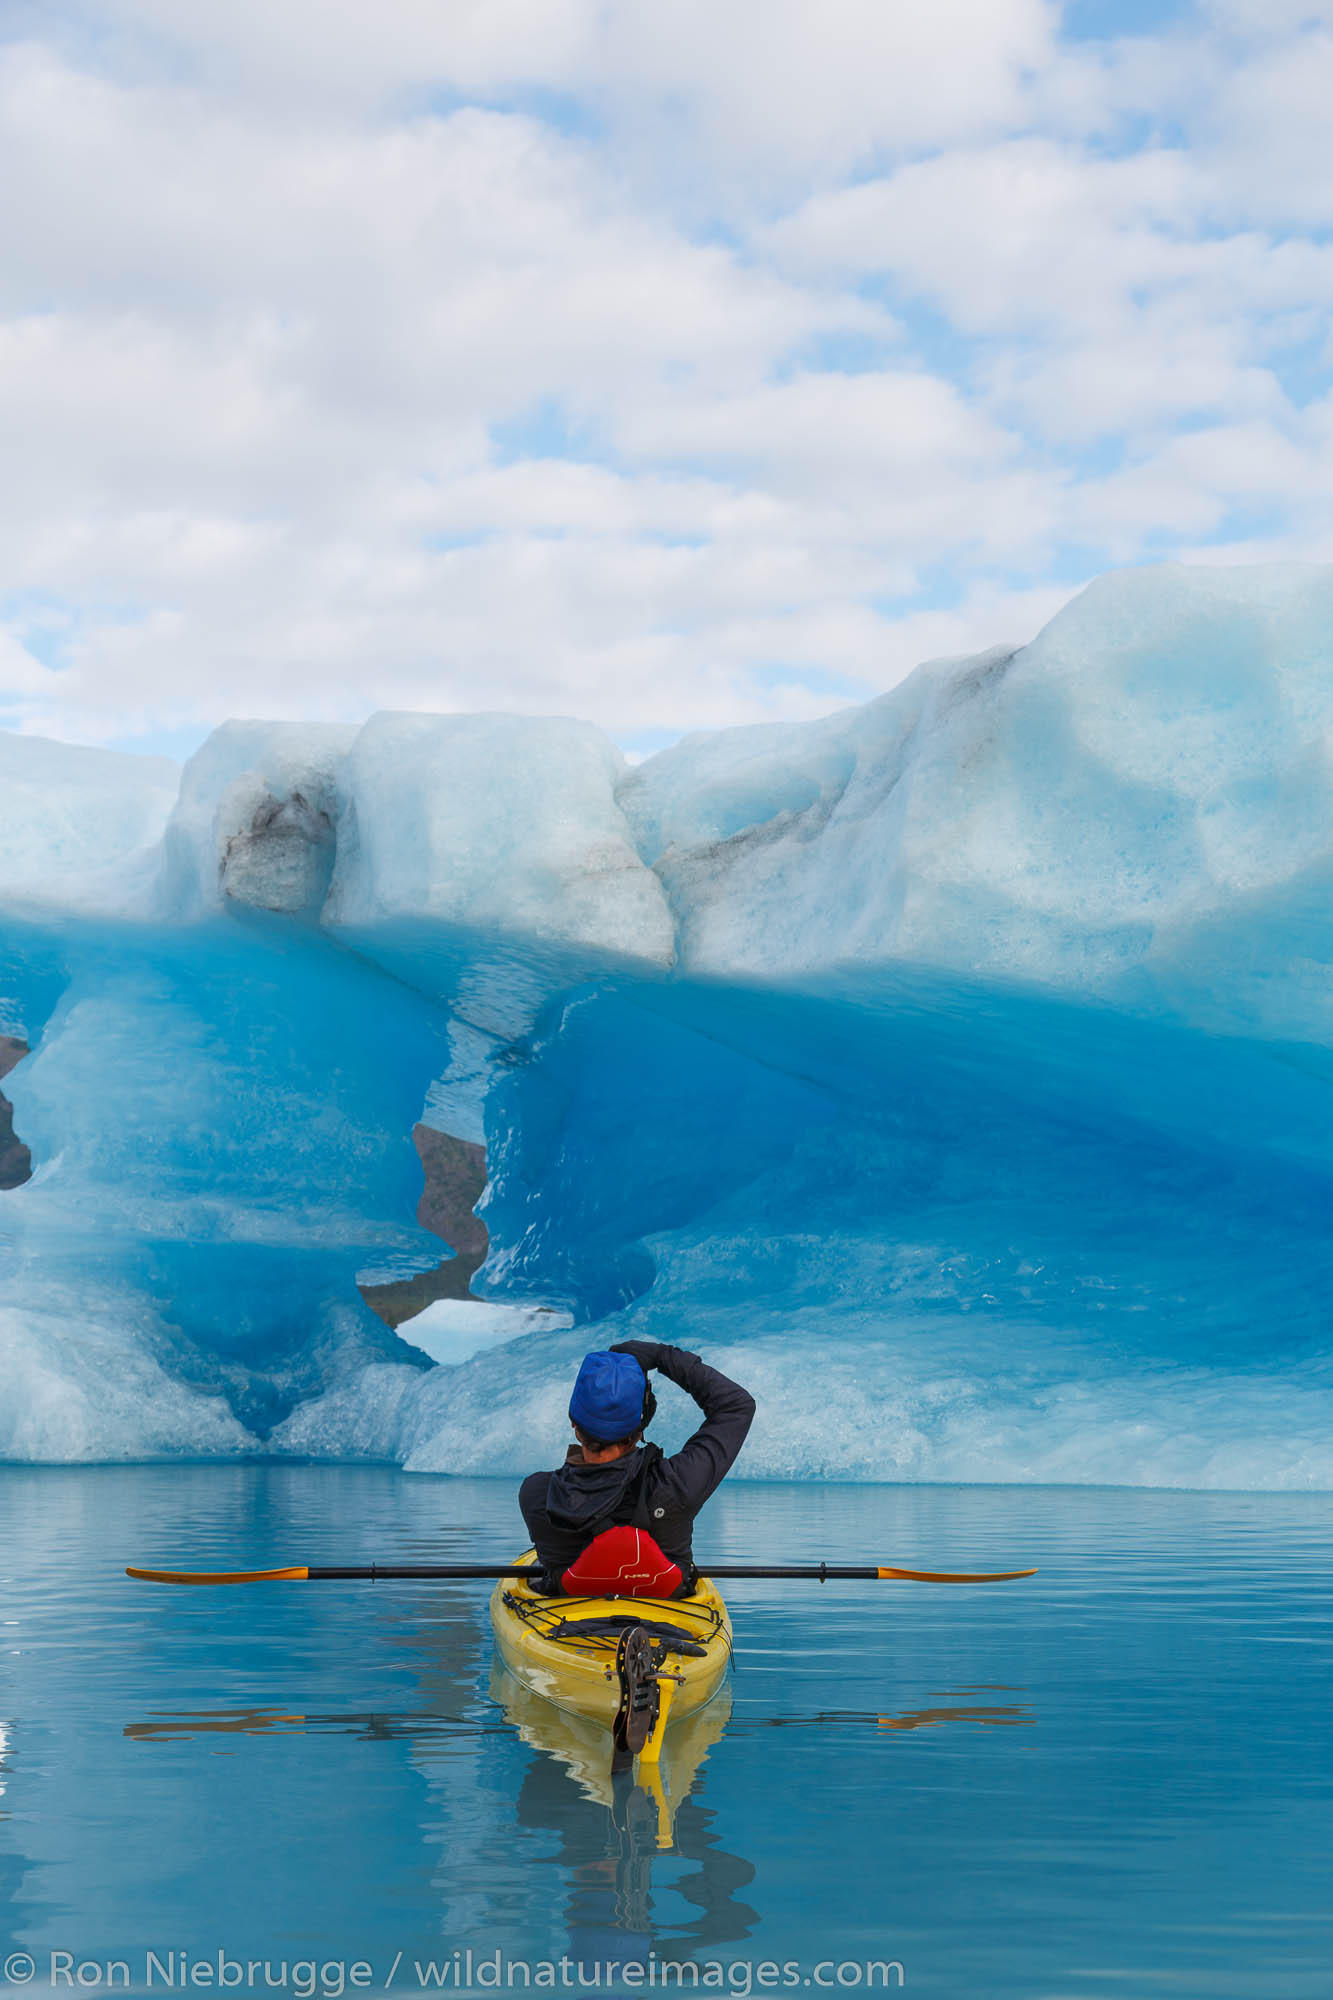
(464, 1971)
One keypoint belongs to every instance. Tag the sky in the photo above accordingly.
(672, 365)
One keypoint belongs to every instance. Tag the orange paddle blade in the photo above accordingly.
(220, 1575)
(948, 1576)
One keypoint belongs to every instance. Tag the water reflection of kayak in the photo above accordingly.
(579, 1743)
(571, 1652)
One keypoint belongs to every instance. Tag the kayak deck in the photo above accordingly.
(564, 1648)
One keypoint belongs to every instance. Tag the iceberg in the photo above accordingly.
(951, 1069)
(80, 830)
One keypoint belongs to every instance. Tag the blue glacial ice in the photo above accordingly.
(953, 1069)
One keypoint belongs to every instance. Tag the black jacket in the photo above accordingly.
(563, 1510)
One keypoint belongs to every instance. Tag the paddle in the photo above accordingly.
(416, 1572)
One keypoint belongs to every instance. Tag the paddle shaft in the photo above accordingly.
(489, 1572)
(380, 1571)
(727, 1572)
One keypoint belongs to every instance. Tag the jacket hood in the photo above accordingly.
(578, 1494)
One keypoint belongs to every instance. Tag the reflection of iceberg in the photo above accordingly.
(971, 1046)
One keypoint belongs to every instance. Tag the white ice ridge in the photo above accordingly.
(80, 829)
(1104, 810)
(1107, 809)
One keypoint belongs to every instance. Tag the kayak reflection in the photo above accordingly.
(583, 1746)
(611, 1831)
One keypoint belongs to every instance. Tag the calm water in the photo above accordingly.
(1114, 1779)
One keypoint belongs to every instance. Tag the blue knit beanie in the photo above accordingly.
(607, 1401)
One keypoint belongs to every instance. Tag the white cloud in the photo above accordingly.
(774, 84)
(1270, 18)
(22, 676)
(1267, 134)
(674, 366)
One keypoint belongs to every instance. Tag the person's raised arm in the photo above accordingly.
(706, 1457)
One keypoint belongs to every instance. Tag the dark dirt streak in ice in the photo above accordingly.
(15, 1159)
(455, 1175)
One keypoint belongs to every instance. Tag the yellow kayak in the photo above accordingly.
(566, 1648)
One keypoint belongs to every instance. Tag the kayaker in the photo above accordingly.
(611, 1479)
